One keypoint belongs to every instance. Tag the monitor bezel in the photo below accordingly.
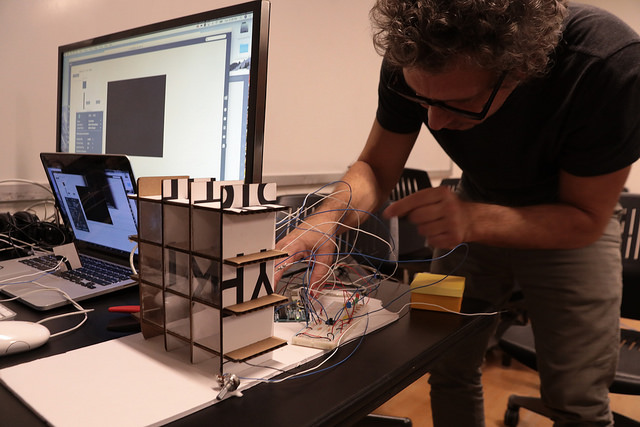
(261, 10)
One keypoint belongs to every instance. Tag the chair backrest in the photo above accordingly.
(366, 245)
(411, 181)
(630, 250)
(450, 182)
(409, 241)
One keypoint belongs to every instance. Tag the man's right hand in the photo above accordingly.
(311, 247)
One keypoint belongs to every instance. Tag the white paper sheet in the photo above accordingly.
(134, 382)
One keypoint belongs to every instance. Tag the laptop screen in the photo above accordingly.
(91, 193)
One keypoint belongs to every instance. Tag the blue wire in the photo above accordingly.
(311, 313)
(298, 219)
(319, 370)
(465, 245)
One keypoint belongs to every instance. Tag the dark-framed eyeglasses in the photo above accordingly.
(397, 85)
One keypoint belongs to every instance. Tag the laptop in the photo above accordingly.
(90, 191)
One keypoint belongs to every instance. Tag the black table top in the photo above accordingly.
(384, 363)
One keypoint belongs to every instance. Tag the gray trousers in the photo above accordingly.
(573, 301)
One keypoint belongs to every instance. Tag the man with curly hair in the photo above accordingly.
(538, 103)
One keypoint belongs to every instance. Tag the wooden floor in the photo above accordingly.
(499, 382)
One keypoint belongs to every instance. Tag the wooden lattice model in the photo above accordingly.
(206, 263)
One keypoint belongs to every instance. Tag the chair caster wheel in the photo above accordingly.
(511, 417)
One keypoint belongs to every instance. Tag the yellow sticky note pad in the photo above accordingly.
(438, 289)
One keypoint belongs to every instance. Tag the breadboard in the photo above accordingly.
(327, 337)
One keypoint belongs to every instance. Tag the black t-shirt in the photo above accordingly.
(583, 117)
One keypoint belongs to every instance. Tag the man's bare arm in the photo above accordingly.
(364, 188)
(578, 218)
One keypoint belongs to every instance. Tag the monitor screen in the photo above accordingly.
(180, 97)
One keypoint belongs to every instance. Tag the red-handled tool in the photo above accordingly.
(125, 309)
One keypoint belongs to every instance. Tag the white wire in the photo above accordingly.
(44, 288)
(26, 181)
(354, 323)
(79, 308)
(313, 228)
(37, 273)
(66, 331)
(296, 215)
(331, 236)
(12, 246)
(492, 313)
(321, 363)
(131, 263)
(298, 212)
(313, 252)
(12, 241)
(312, 258)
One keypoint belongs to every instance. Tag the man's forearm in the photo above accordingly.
(551, 226)
(357, 193)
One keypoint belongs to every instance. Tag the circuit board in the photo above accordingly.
(327, 335)
(292, 312)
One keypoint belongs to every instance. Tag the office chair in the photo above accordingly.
(450, 182)
(411, 245)
(517, 341)
(402, 233)
(410, 181)
(630, 307)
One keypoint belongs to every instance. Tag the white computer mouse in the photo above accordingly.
(18, 335)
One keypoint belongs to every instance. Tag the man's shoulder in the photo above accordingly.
(595, 32)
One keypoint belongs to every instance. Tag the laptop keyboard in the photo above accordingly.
(93, 273)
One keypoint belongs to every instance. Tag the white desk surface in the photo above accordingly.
(134, 382)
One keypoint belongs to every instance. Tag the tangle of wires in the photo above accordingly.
(352, 278)
(357, 273)
(23, 232)
(32, 278)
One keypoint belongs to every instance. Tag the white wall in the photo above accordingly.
(322, 78)
(321, 91)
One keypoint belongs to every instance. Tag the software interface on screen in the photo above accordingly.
(168, 99)
(97, 206)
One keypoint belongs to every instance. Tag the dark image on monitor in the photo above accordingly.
(135, 116)
(180, 97)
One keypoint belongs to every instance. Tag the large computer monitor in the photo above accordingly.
(180, 97)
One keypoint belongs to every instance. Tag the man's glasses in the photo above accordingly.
(397, 85)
